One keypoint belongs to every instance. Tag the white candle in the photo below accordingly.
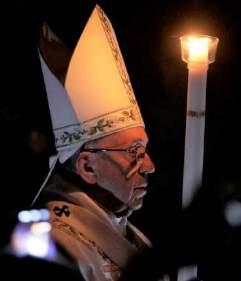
(198, 52)
(195, 125)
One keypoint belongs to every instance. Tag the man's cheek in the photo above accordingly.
(127, 193)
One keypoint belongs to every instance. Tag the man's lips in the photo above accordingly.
(143, 185)
(140, 191)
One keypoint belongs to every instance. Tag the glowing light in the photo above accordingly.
(40, 228)
(36, 246)
(31, 235)
(44, 214)
(198, 49)
(33, 215)
(33, 239)
(24, 216)
(233, 213)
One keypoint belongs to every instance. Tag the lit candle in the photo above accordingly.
(198, 52)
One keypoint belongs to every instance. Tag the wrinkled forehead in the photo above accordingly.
(125, 137)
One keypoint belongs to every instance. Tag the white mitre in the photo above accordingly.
(98, 85)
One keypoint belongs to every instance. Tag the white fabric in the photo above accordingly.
(62, 115)
(98, 90)
(97, 81)
(99, 100)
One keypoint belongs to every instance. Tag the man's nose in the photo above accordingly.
(147, 166)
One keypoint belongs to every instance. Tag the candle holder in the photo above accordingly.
(198, 49)
(198, 52)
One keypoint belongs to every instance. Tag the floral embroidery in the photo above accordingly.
(68, 135)
(110, 269)
(98, 126)
(116, 54)
(112, 121)
(101, 125)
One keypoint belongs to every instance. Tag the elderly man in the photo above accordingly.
(102, 165)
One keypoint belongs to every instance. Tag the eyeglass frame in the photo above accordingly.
(128, 150)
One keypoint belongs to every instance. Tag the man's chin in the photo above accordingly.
(136, 204)
(131, 208)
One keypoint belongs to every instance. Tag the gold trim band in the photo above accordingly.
(197, 114)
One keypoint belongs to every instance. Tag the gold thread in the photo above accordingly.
(197, 114)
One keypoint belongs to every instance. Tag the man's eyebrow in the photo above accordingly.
(123, 145)
(135, 142)
(141, 141)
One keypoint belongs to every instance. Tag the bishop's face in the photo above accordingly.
(123, 169)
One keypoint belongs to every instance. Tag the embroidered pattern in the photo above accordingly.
(116, 53)
(60, 211)
(110, 269)
(123, 118)
(197, 114)
(101, 125)
(78, 235)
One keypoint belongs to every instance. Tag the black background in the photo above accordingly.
(148, 33)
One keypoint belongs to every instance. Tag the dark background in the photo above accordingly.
(148, 34)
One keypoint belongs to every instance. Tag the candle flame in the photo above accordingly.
(198, 49)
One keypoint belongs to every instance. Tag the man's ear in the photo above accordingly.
(84, 168)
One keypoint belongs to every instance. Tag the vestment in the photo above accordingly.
(95, 238)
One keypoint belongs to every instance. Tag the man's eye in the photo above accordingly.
(137, 152)
(133, 151)
(133, 154)
(141, 155)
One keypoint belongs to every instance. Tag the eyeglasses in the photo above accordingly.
(137, 151)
